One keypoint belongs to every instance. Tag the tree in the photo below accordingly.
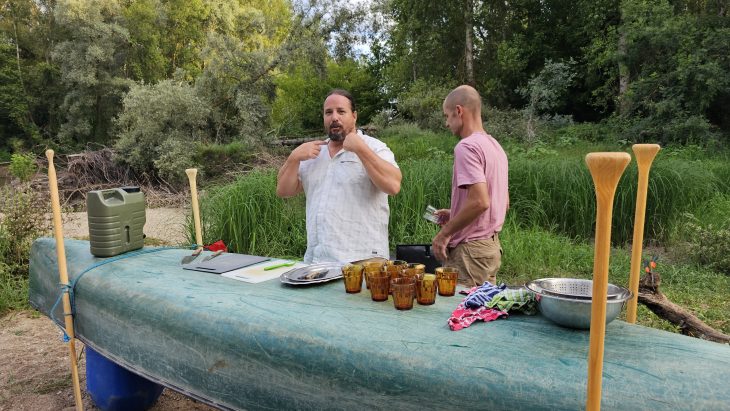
(301, 93)
(546, 91)
(91, 62)
(15, 125)
(679, 70)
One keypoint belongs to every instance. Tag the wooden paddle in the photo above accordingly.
(63, 276)
(645, 154)
(606, 170)
(192, 173)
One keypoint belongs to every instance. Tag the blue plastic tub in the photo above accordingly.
(114, 388)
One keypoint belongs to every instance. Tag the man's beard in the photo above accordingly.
(336, 135)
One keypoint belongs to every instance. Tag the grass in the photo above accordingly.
(13, 290)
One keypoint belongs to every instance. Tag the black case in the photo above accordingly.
(417, 253)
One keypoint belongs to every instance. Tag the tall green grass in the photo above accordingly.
(250, 218)
(554, 192)
(558, 193)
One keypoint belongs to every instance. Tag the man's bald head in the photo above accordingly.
(465, 96)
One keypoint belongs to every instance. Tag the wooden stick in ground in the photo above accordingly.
(63, 276)
(606, 169)
(645, 154)
(192, 173)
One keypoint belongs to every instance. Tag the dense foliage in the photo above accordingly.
(654, 70)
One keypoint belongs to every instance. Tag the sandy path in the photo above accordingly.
(165, 224)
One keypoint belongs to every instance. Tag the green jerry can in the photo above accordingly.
(116, 220)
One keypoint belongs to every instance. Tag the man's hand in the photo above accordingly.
(287, 181)
(307, 151)
(439, 244)
(354, 143)
(444, 215)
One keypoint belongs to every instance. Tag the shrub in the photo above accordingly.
(24, 220)
(423, 103)
(709, 246)
(504, 124)
(217, 159)
(22, 166)
(159, 128)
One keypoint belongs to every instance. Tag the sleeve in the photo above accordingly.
(381, 149)
(468, 166)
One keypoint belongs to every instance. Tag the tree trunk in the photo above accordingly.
(468, 42)
(623, 70)
(17, 54)
(689, 324)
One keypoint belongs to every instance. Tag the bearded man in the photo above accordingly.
(346, 180)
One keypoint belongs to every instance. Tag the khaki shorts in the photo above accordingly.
(478, 261)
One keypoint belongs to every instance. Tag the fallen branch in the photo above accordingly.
(689, 324)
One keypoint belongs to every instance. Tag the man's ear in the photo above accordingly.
(459, 110)
(354, 114)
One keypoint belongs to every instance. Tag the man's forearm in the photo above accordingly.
(466, 216)
(384, 175)
(287, 181)
(477, 202)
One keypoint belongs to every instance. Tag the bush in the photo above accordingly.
(218, 159)
(22, 166)
(24, 220)
(160, 127)
(709, 246)
(504, 124)
(423, 103)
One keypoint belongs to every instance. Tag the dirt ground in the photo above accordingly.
(35, 369)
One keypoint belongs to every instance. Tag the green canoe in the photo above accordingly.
(271, 346)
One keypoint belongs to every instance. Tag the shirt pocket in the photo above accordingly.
(351, 171)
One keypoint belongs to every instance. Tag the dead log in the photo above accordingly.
(688, 323)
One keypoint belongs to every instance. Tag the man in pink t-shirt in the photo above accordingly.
(468, 239)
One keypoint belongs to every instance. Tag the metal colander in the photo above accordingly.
(568, 301)
(570, 288)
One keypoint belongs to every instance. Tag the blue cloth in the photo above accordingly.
(483, 294)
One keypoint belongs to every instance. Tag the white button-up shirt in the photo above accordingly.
(347, 215)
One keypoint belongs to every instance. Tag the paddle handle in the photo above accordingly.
(645, 154)
(192, 173)
(63, 275)
(606, 170)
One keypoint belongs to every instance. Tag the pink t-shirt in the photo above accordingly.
(479, 159)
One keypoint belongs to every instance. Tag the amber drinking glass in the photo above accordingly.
(426, 286)
(395, 268)
(446, 277)
(403, 290)
(352, 274)
(379, 285)
(371, 267)
(412, 270)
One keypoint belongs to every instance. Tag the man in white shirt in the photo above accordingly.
(346, 187)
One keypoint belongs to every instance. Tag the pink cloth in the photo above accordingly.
(479, 159)
(463, 317)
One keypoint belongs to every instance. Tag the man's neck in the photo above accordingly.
(470, 129)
